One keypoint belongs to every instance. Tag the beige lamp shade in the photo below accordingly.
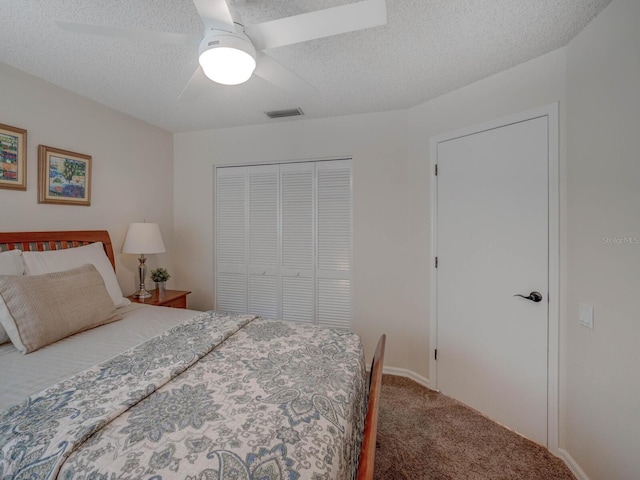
(143, 238)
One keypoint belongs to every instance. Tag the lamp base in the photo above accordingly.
(142, 274)
(142, 293)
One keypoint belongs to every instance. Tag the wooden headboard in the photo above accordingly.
(41, 241)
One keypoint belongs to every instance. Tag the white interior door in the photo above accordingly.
(262, 241)
(492, 243)
(334, 234)
(231, 240)
(298, 242)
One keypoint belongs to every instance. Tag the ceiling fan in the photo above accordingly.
(230, 52)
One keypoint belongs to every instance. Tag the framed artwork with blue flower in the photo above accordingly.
(63, 177)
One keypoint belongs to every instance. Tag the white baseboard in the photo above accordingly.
(572, 464)
(403, 372)
(562, 453)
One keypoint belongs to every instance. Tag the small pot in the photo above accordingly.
(161, 287)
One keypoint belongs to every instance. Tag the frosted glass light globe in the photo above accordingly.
(227, 58)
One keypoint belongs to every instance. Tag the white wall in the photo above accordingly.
(602, 394)
(131, 166)
(377, 143)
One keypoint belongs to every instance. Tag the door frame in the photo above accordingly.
(550, 111)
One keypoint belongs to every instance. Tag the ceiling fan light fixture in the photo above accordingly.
(227, 58)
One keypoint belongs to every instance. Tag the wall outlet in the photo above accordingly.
(585, 315)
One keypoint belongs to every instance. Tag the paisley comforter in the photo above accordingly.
(218, 397)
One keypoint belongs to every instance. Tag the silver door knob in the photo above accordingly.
(533, 296)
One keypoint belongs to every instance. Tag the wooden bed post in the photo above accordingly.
(368, 450)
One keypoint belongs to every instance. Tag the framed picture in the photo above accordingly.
(13, 157)
(63, 177)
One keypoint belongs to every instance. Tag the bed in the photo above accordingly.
(155, 393)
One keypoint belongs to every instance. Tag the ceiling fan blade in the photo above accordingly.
(282, 77)
(195, 86)
(130, 33)
(215, 14)
(319, 24)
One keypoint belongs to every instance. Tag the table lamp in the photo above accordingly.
(141, 239)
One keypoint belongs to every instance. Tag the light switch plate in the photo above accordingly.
(585, 315)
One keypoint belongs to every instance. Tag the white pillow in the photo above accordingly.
(10, 264)
(38, 263)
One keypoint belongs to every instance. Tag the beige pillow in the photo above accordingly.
(10, 264)
(37, 263)
(37, 310)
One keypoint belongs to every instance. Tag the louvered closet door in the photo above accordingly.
(298, 241)
(263, 295)
(231, 237)
(283, 241)
(334, 256)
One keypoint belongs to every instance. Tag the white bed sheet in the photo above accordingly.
(24, 375)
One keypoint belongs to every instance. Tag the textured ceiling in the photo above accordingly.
(428, 48)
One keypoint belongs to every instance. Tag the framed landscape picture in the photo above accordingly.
(63, 177)
(13, 157)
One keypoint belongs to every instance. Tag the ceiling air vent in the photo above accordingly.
(292, 112)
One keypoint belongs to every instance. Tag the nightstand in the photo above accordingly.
(170, 298)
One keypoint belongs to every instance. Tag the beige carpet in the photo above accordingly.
(423, 434)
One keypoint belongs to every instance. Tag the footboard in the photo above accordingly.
(368, 450)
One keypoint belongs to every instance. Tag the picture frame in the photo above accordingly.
(64, 177)
(13, 157)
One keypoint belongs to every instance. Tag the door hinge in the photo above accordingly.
(436, 262)
(435, 355)
(436, 172)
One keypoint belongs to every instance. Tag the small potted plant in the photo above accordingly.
(160, 276)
